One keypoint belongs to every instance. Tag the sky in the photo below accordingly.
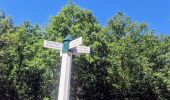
(155, 12)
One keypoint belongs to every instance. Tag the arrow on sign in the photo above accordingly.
(75, 42)
(53, 45)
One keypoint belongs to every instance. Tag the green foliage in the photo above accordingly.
(27, 69)
(138, 56)
(127, 60)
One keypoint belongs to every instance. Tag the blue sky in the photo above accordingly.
(155, 12)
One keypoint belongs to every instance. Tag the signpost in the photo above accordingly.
(83, 49)
(68, 48)
(75, 42)
(53, 45)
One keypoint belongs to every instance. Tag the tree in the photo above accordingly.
(27, 69)
(127, 59)
(136, 59)
(8, 39)
(86, 76)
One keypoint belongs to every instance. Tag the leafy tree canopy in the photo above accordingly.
(127, 59)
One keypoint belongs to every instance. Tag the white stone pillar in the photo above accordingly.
(65, 75)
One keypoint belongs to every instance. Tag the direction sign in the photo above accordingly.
(70, 48)
(53, 45)
(75, 42)
(82, 49)
(74, 52)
